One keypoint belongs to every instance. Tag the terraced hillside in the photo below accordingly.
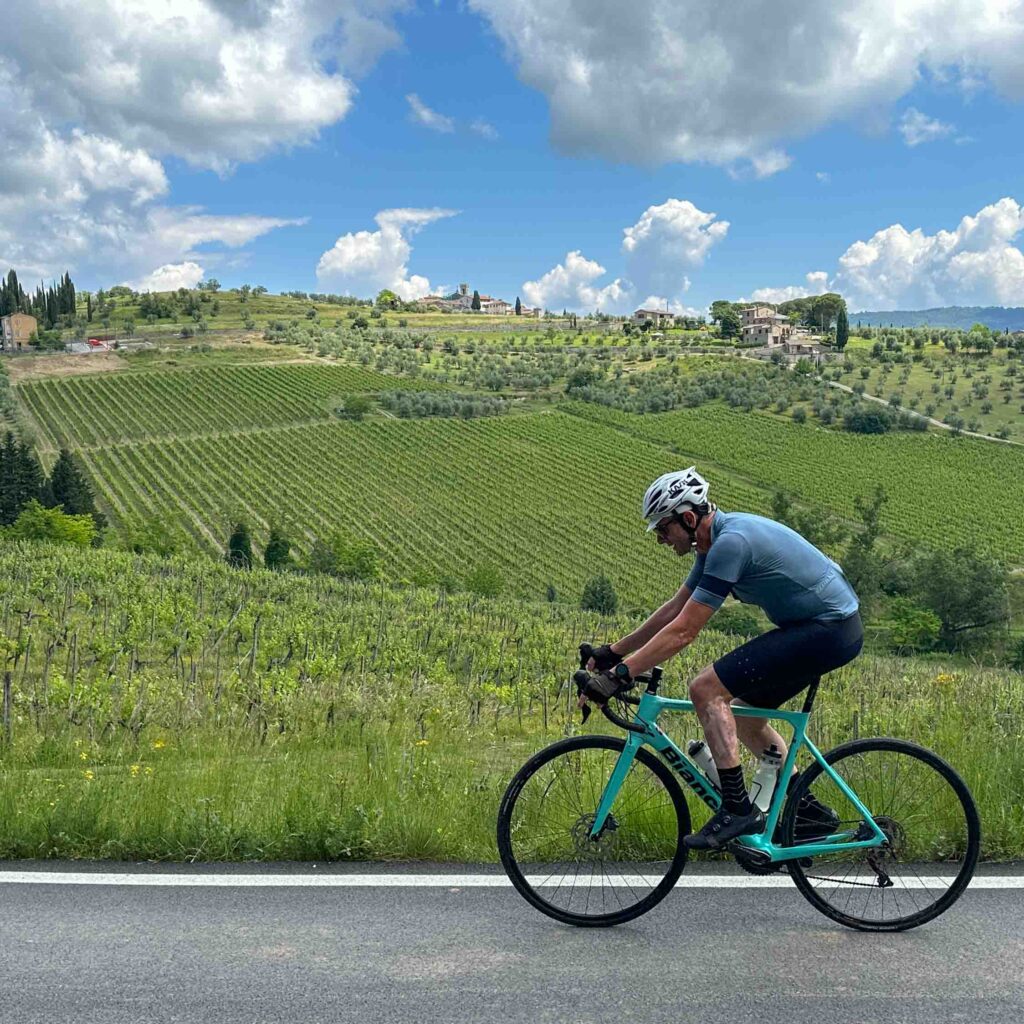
(528, 494)
(941, 489)
(86, 411)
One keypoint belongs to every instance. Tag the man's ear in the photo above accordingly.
(690, 518)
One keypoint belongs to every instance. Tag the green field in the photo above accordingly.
(520, 493)
(93, 410)
(941, 489)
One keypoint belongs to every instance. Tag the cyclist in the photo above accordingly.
(803, 592)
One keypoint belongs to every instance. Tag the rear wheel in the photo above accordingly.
(933, 835)
(544, 824)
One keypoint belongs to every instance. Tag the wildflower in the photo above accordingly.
(134, 768)
(149, 770)
(159, 744)
(83, 756)
(422, 743)
(945, 677)
(53, 803)
(88, 774)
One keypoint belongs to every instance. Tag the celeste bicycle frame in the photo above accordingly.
(644, 729)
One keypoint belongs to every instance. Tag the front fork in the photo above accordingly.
(611, 791)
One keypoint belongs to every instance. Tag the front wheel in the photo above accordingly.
(931, 825)
(544, 825)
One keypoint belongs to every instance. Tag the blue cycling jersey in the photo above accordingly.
(762, 562)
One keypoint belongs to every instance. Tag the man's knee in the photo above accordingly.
(706, 687)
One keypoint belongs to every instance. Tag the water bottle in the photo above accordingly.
(698, 750)
(763, 784)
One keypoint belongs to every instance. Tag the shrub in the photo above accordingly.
(599, 596)
(485, 581)
(911, 627)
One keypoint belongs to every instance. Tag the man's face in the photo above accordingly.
(671, 533)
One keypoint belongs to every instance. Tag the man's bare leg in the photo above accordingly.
(711, 702)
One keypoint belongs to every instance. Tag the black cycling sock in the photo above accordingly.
(734, 792)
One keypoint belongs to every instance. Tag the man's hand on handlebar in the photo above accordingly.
(598, 687)
(602, 658)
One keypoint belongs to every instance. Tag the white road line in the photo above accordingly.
(432, 881)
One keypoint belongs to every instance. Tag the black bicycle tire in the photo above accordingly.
(799, 873)
(517, 877)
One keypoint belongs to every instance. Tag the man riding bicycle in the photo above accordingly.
(802, 591)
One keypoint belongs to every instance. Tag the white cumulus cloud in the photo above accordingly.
(685, 80)
(484, 129)
(975, 263)
(667, 240)
(571, 285)
(916, 127)
(363, 262)
(816, 284)
(170, 277)
(97, 94)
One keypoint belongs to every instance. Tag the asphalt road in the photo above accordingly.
(241, 954)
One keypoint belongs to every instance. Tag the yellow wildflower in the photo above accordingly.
(149, 770)
(159, 744)
(88, 774)
(945, 677)
(83, 756)
(422, 743)
(134, 769)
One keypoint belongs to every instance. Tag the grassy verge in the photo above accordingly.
(182, 710)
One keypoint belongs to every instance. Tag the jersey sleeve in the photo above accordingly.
(695, 573)
(724, 566)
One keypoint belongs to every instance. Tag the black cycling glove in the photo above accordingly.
(605, 658)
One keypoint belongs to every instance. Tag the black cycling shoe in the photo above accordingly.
(723, 827)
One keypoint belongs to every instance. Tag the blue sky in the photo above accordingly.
(918, 145)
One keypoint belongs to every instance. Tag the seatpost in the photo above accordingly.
(809, 699)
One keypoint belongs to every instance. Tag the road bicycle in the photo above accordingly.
(590, 830)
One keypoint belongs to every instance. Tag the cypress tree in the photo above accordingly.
(69, 487)
(240, 547)
(475, 304)
(8, 480)
(21, 478)
(519, 307)
(842, 329)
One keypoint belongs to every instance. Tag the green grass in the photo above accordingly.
(183, 710)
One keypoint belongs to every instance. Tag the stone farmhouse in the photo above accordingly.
(15, 331)
(761, 325)
(772, 332)
(656, 316)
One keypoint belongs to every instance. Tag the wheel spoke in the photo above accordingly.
(548, 849)
(924, 810)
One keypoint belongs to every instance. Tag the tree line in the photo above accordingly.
(47, 305)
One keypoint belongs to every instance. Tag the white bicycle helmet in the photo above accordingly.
(671, 491)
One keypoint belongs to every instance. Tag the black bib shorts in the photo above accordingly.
(772, 668)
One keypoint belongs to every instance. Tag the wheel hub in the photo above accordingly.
(601, 844)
